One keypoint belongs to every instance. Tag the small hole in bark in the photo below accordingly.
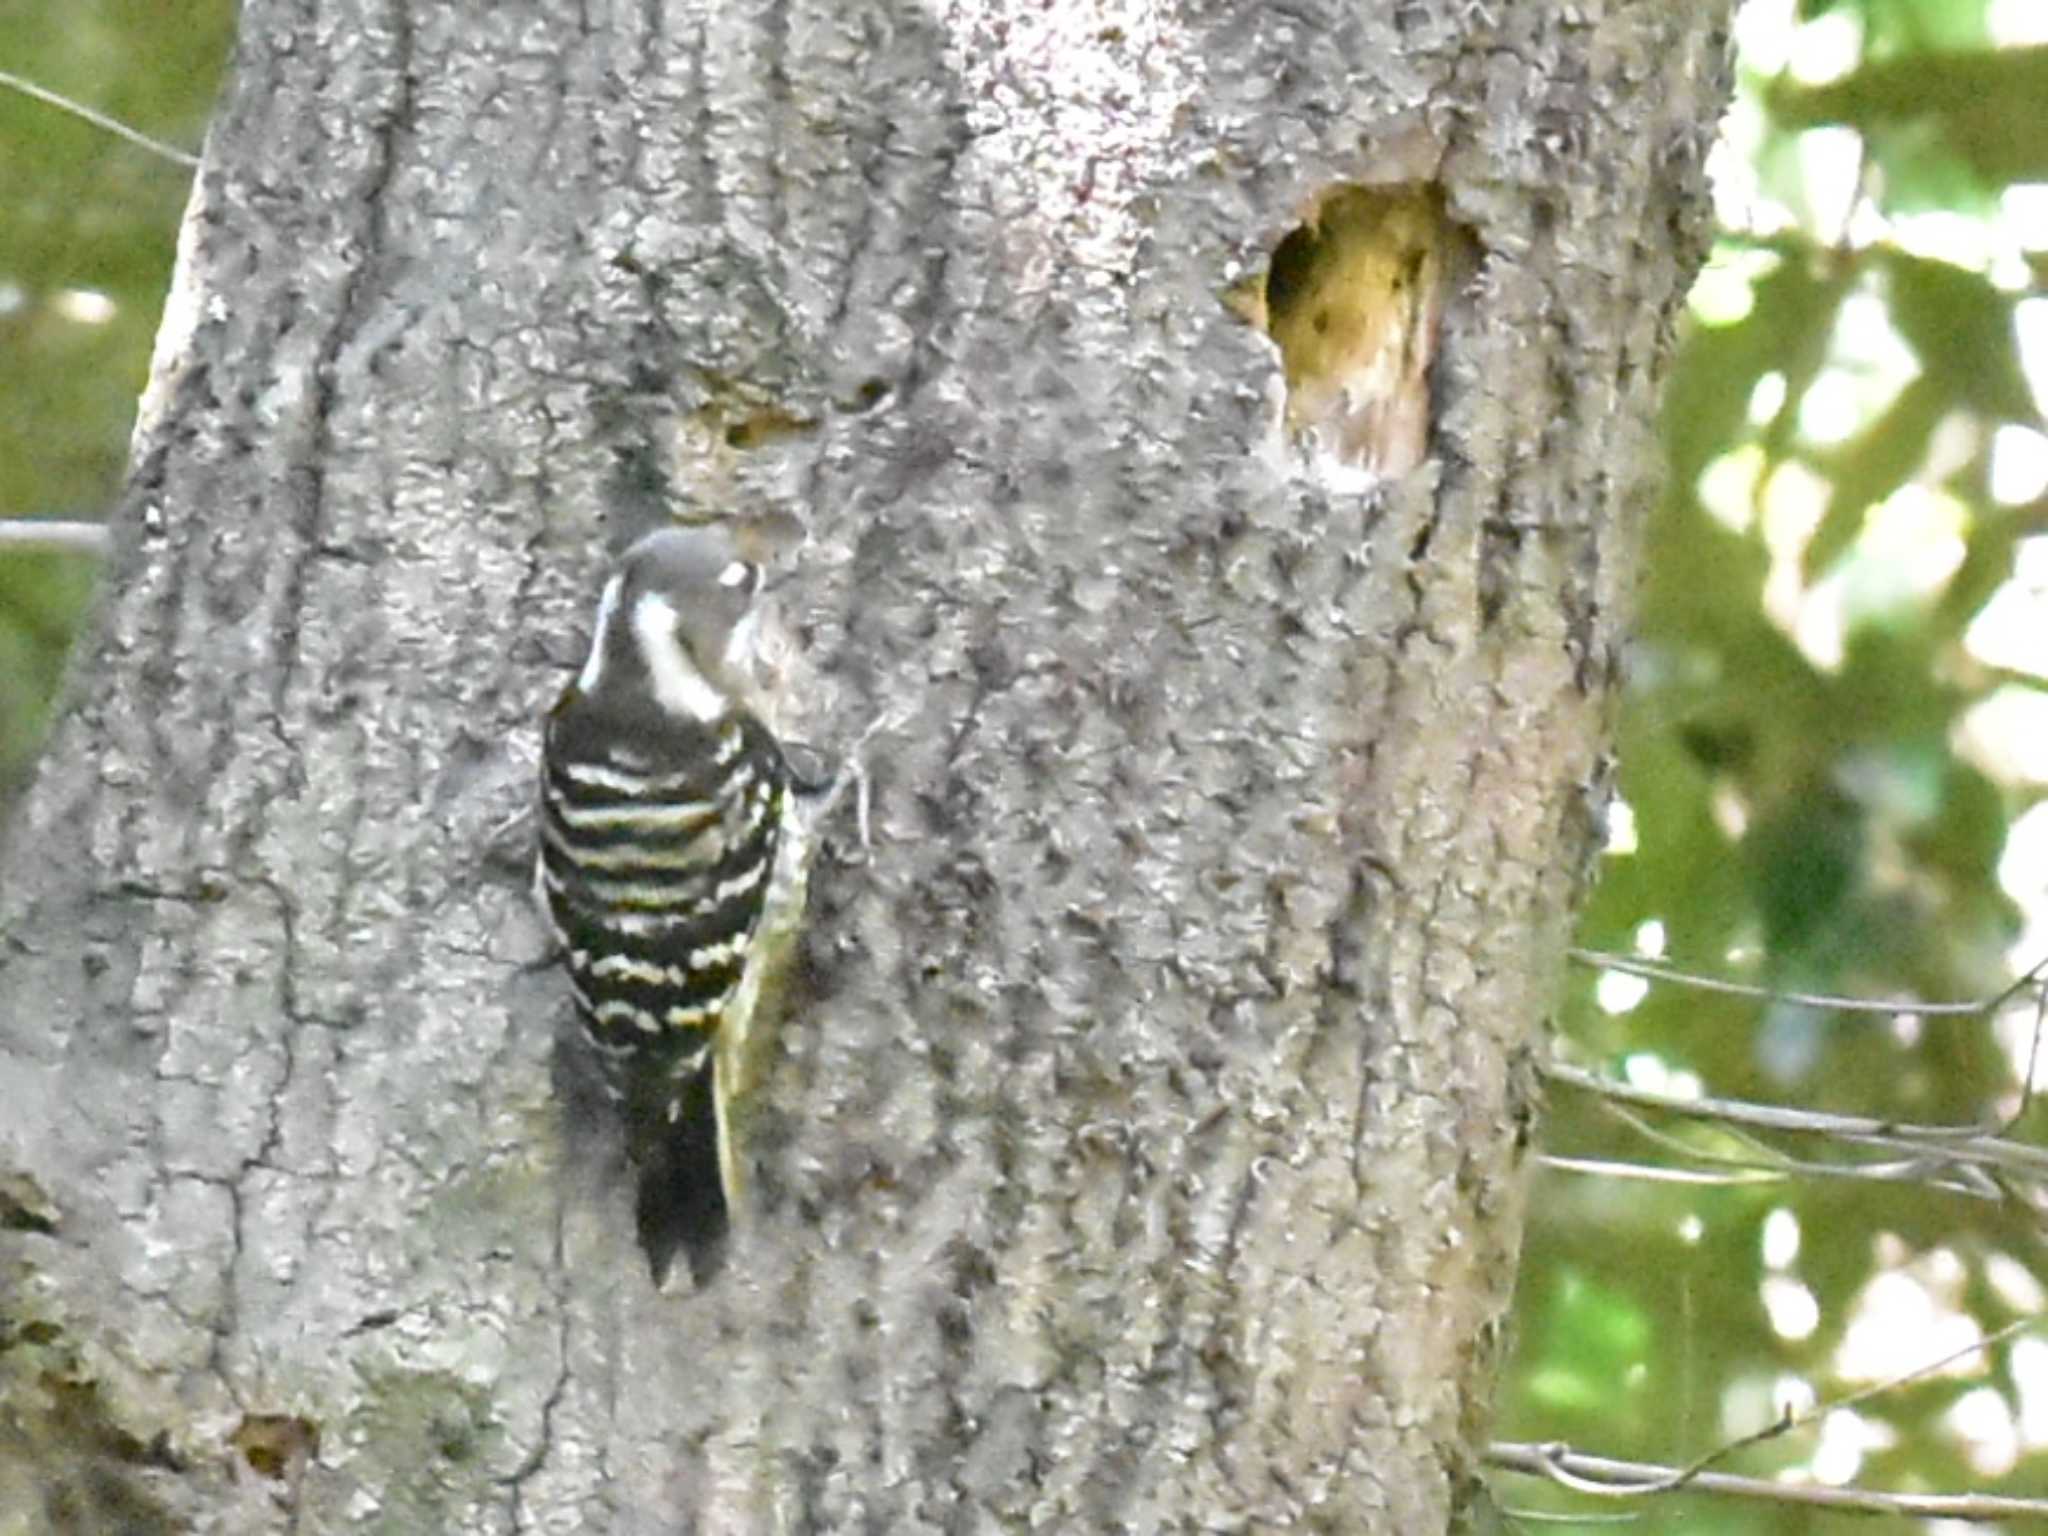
(1353, 298)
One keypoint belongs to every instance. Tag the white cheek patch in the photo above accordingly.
(735, 574)
(739, 646)
(607, 610)
(679, 688)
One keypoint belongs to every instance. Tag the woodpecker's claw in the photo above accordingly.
(824, 797)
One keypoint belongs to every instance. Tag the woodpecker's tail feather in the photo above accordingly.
(681, 1203)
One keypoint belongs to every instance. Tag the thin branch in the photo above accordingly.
(1760, 1153)
(1519, 1516)
(1772, 1117)
(2033, 1052)
(1724, 1172)
(50, 534)
(1788, 1421)
(1610, 1168)
(1634, 1479)
(2032, 979)
(1652, 970)
(1942, 1143)
(1998, 1336)
(1607, 1477)
(119, 129)
(1936, 1170)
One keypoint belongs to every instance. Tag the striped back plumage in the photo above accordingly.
(662, 804)
(656, 849)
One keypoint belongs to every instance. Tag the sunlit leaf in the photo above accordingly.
(1986, 103)
(1873, 465)
(1962, 329)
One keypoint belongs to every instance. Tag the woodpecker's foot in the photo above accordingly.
(505, 829)
(821, 797)
(508, 846)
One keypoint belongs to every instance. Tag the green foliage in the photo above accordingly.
(1804, 819)
(1594, 1338)
(86, 243)
(1933, 118)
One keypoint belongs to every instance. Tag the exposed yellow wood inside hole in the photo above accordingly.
(1353, 298)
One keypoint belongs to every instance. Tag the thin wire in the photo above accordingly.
(50, 533)
(99, 120)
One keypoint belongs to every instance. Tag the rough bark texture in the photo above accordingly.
(1143, 1152)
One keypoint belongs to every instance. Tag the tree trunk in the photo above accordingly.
(1141, 1150)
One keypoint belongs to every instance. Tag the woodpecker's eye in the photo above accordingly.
(738, 574)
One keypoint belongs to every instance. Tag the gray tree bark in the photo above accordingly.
(1142, 1148)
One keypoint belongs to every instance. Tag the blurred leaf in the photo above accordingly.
(1961, 845)
(1592, 1336)
(1896, 26)
(1923, 170)
(1987, 105)
(1873, 464)
(1803, 858)
(1961, 328)
(1791, 318)
(41, 597)
(1911, 26)
(1987, 562)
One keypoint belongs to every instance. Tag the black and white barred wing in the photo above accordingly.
(653, 877)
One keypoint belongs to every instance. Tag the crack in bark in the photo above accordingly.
(356, 304)
(536, 1459)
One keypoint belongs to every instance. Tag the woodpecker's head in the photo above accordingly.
(675, 623)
